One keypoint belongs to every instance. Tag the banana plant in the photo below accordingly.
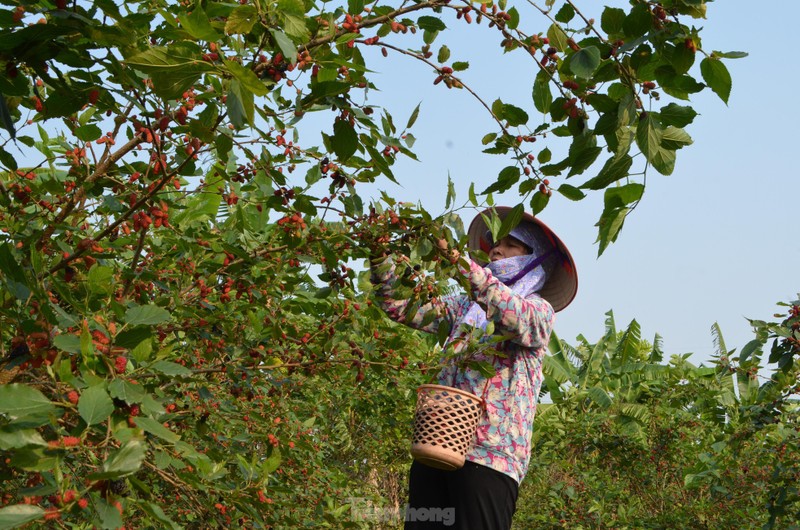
(619, 373)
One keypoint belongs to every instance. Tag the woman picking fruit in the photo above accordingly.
(530, 275)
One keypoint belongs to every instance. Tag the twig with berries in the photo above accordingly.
(445, 73)
(374, 21)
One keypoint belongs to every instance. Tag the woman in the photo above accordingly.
(530, 276)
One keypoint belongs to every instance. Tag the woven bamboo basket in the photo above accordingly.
(445, 422)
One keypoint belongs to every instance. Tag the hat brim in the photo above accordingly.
(561, 285)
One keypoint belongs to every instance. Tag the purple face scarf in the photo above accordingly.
(523, 274)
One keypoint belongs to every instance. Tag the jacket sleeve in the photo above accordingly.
(382, 275)
(527, 321)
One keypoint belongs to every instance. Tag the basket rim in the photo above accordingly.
(466, 394)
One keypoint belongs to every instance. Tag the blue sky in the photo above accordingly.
(714, 242)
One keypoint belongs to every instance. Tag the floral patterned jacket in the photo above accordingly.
(503, 439)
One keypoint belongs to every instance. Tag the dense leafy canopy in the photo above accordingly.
(185, 334)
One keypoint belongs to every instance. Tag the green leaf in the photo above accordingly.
(623, 195)
(571, 192)
(126, 391)
(657, 353)
(552, 170)
(13, 274)
(749, 349)
(95, 405)
(679, 87)
(35, 459)
(146, 315)
(413, 118)
(285, 44)
(612, 19)
(583, 151)
(88, 133)
(614, 169)
(17, 515)
(544, 156)
(7, 158)
(585, 61)
(616, 201)
(313, 175)
(429, 23)
(241, 20)
(460, 66)
(693, 8)
(295, 27)
(565, 14)
(240, 105)
(581, 159)
(677, 115)
(87, 347)
(507, 177)
(664, 161)
(730, 55)
(272, 462)
(133, 337)
(17, 439)
(609, 225)
(626, 115)
(606, 124)
(204, 206)
(629, 343)
(424, 248)
(451, 193)
(602, 103)
(173, 70)
(511, 220)
(716, 75)
(674, 138)
(344, 140)
(355, 6)
(324, 89)
(62, 103)
(7, 122)
(100, 279)
(170, 368)
(558, 39)
(21, 401)
(68, 343)
(155, 511)
(679, 57)
(125, 461)
(513, 115)
(542, 96)
(648, 135)
(223, 144)
(156, 429)
(600, 396)
(246, 77)
(110, 518)
(539, 202)
(197, 24)
(638, 21)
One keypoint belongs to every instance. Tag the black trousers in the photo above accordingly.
(474, 497)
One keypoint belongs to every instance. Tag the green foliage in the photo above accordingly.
(629, 441)
(185, 335)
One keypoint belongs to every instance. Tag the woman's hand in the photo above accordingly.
(450, 253)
